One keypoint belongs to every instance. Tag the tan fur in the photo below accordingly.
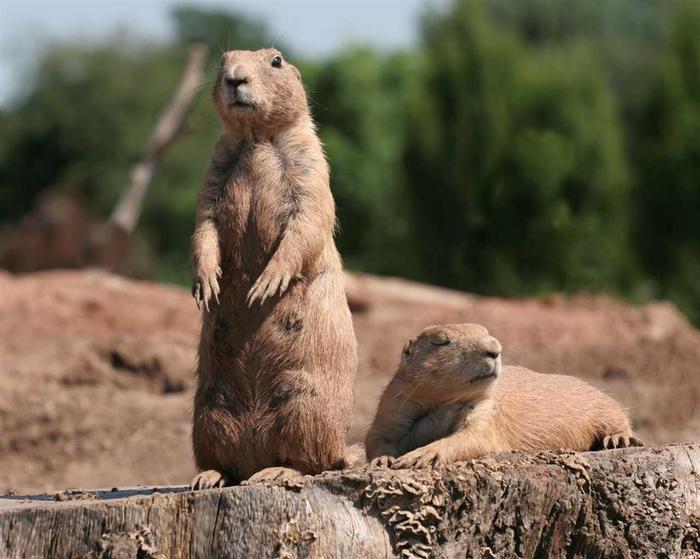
(277, 355)
(451, 400)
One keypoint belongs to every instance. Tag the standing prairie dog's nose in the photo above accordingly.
(236, 76)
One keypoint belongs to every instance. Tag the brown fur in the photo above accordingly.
(451, 400)
(277, 355)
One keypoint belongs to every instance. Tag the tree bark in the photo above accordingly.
(127, 212)
(617, 504)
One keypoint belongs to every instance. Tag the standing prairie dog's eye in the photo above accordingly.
(277, 62)
(440, 339)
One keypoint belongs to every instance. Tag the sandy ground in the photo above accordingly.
(96, 370)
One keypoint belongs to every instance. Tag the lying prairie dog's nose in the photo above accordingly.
(492, 348)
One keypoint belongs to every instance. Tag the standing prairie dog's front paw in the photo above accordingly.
(206, 285)
(274, 280)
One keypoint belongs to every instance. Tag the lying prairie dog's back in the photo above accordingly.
(538, 411)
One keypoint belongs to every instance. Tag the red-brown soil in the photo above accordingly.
(96, 369)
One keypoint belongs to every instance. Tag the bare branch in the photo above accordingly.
(128, 211)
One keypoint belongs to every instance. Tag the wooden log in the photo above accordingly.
(616, 504)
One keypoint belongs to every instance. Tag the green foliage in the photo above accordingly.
(667, 150)
(354, 100)
(89, 114)
(514, 163)
(552, 21)
(84, 122)
(523, 146)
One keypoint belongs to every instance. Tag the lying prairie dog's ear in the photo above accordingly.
(407, 350)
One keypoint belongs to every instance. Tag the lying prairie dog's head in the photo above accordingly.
(258, 89)
(452, 360)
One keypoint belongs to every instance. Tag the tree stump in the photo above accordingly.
(629, 503)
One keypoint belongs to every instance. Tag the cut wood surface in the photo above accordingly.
(616, 504)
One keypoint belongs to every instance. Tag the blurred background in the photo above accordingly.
(543, 151)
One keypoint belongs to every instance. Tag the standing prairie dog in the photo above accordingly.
(277, 353)
(451, 400)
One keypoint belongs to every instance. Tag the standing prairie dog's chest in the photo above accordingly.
(257, 199)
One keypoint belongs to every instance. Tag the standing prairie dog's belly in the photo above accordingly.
(463, 404)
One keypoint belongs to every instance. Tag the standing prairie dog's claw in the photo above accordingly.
(196, 293)
(208, 479)
(270, 283)
(206, 287)
(284, 284)
(214, 290)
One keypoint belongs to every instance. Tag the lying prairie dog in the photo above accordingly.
(451, 400)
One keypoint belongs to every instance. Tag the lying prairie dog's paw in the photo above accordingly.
(621, 440)
(383, 461)
(424, 457)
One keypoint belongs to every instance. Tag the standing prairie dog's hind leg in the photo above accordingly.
(209, 479)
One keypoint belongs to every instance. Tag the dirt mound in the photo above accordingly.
(97, 369)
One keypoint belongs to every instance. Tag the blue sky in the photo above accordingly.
(311, 27)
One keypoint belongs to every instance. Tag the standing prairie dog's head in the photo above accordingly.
(452, 360)
(258, 90)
